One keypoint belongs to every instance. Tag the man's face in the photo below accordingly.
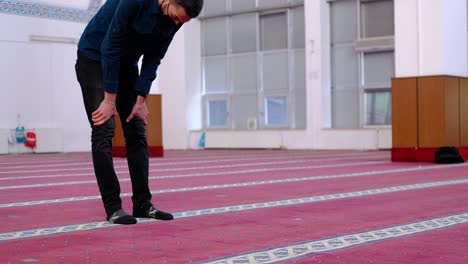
(176, 12)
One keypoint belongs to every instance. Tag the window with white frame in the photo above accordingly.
(253, 60)
(276, 110)
(217, 112)
(362, 62)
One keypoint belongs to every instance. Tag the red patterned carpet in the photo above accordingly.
(239, 206)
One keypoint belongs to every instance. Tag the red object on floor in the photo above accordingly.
(30, 140)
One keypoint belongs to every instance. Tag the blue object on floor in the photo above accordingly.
(201, 143)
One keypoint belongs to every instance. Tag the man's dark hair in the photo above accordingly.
(192, 7)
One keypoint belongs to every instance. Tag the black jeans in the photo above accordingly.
(89, 75)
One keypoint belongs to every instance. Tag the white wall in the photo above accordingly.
(431, 37)
(455, 37)
(179, 82)
(171, 84)
(38, 79)
(75, 3)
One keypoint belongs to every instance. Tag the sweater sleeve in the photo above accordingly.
(150, 66)
(114, 41)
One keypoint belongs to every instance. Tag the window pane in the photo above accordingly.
(243, 108)
(299, 72)
(275, 71)
(300, 109)
(274, 31)
(244, 73)
(377, 18)
(214, 7)
(244, 33)
(253, 63)
(379, 68)
(344, 66)
(242, 5)
(216, 72)
(214, 36)
(276, 111)
(344, 22)
(345, 108)
(378, 108)
(298, 28)
(217, 113)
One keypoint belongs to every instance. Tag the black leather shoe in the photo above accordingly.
(122, 218)
(152, 212)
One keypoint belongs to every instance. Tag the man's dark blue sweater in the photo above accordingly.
(121, 32)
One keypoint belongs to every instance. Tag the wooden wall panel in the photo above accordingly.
(404, 113)
(452, 111)
(119, 139)
(154, 128)
(438, 114)
(430, 111)
(464, 112)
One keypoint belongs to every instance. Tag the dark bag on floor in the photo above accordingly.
(448, 155)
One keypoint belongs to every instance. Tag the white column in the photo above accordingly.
(179, 81)
(172, 81)
(431, 37)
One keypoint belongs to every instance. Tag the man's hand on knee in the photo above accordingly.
(140, 110)
(105, 110)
